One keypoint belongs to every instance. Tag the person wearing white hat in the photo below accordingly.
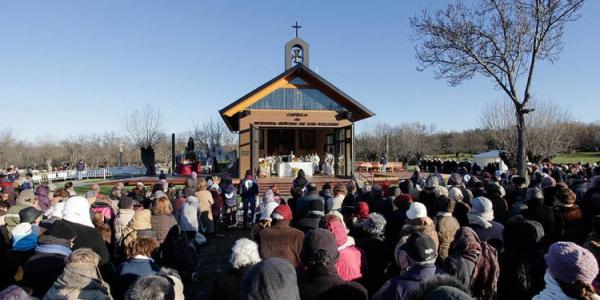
(481, 219)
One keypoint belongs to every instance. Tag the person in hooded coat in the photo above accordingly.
(43, 268)
(77, 215)
(474, 263)
(421, 253)
(481, 219)
(522, 265)
(189, 217)
(352, 261)
(271, 279)
(319, 279)
(80, 279)
(244, 255)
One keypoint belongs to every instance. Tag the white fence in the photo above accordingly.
(39, 177)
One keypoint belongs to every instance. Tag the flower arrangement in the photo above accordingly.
(295, 171)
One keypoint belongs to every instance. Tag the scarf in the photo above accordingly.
(479, 220)
(552, 291)
(53, 249)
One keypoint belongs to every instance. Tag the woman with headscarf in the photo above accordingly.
(77, 215)
(481, 219)
(474, 263)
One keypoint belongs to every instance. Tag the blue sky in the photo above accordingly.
(77, 67)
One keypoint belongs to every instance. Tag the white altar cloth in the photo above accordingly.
(284, 169)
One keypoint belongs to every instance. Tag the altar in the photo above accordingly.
(284, 169)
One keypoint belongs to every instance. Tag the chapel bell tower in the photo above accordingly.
(296, 51)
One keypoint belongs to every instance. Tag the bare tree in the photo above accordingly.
(213, 133)
(549, 130)
(145, 129)
(499, 39)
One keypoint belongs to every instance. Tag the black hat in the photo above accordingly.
(125, 202)
(319, 246)
(420, 248)
(62, 230)
(29, 215)
(316, 205)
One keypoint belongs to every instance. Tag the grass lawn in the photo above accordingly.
(577, 157)
(105, 189)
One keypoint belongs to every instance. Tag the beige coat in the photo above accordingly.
(206, 201)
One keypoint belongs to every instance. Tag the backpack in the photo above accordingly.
(484, 280)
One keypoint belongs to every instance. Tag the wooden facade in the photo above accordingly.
(297, 111)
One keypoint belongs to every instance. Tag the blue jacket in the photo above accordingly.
(401, 286)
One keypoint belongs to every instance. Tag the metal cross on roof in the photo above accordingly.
(296, 27)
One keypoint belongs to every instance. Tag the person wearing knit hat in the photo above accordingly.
(422, 253)
(416, 210)
(571, 270)
(481, 219)
(30, 215)
(48, 262)
(313, 219)
(140, 224)
(279, 239)
(14, 292)
(25, 199)
(319, 257)
(282, 212)
(569, 224)
(417, 222)
(271, 279)
(24, 237)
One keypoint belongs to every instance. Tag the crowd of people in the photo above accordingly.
(463, 236)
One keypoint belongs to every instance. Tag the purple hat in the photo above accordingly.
(568, 262)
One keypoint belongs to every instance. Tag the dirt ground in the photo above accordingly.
(214, 257)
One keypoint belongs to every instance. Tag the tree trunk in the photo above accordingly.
(521, 144)
(147, 154)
